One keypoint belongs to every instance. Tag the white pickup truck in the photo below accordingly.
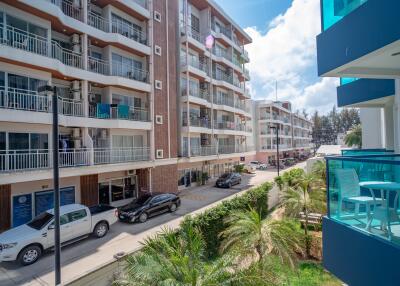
(27, 242)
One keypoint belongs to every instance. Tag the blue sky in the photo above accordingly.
(283, 50)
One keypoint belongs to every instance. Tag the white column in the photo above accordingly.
(84, 46)
(85, 96)
(372, 128)
(388, 129)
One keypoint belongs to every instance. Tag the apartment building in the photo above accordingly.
(215, 120)
(359, 43)
(114, 68)
(294, 131)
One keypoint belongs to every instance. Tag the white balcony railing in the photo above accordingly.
(98, 22)
(203, 150)
(123, 112)
(22, 160)
(122, 28)
(128, 71)
(70, 8)
(26, 41)
(67, 57)
(71, 107)
(195, 62)
(98, 66)
(21, 99)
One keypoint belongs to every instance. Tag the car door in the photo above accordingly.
(65, 231)
(80, 222)
(154, 205)
(165, 202)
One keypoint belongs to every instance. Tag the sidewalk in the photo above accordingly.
(87, 256)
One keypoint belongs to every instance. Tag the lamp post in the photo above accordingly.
(51, 90)
(277, 144)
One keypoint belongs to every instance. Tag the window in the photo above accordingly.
(117, 190)
(157, 16)
(127, 29)
(195, 23)
(77, 215)
(157, 50)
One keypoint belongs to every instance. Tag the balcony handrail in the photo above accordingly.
(98, 22)
(114, 112)
(33, 159)
(98, 65)
(67, 57)
(129, 71)
(21, 99)
(24, 40)
(122, 28)
(71, 107)
(69, 8)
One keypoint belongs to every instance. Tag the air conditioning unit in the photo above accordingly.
(75, 85)
(131, 172)
(76, 48)
(76, 94)
(76, 4)
(104, 134)
(75, 39)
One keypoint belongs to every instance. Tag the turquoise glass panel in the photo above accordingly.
(346, 80)
(366, 152)
(364, 194)
(334, 10)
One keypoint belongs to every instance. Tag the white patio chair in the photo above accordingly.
(349, 191)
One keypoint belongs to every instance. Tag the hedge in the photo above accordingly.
(211, 222)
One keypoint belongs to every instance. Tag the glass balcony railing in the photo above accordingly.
(363, 193)
(346, 80)
(334, 10)
(117, 111)
(366, 152)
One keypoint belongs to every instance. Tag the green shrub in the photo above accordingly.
(211, 222)
(239, 168)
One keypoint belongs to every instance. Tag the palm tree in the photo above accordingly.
(307, 196)
(178, 259)
(319, 170)
(248, 233)
(354, 137)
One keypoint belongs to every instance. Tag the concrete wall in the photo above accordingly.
(373, 126)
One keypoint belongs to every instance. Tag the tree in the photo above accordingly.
(319, 170)
(248, 233)
(172, 258)
(354, 137)
(306, 196)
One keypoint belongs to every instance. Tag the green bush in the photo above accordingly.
(211, 222)
(239, 168)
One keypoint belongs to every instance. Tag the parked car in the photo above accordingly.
(258, 165)
(227, 180)
(147, 206)
(27, 242)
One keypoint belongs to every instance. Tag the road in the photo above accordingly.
(85, 256)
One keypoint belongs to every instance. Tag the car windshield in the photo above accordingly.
(40, 221)
(142, 200)
(227, 175)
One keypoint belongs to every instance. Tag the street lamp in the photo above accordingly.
(277, 144)
(52, 91)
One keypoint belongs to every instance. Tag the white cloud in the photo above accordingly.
(287, 53)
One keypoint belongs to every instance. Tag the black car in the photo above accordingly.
(147, 206)
(227, 180)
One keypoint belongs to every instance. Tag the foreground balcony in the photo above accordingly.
(362, 227)
(211, 150)
(25, 160)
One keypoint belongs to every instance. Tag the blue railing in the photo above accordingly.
(346, 80)
(366, 152)
(363, 192)
(334, 10)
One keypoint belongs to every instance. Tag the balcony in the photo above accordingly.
(366, 93)
(197, 63)
(196, 121)
(372, 52)
(21, 99)
(221, 30)
(117, 111)
(32, 43)
(25, 160)
(70, 8)
(366, 152)
(197, 92)
(362, 225)
(204, 150)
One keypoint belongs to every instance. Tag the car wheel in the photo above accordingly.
(172, 208)
(143, 217)
(230, 185)
(29, 255)
(100, 229)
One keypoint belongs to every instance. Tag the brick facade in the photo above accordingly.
(165, 179)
